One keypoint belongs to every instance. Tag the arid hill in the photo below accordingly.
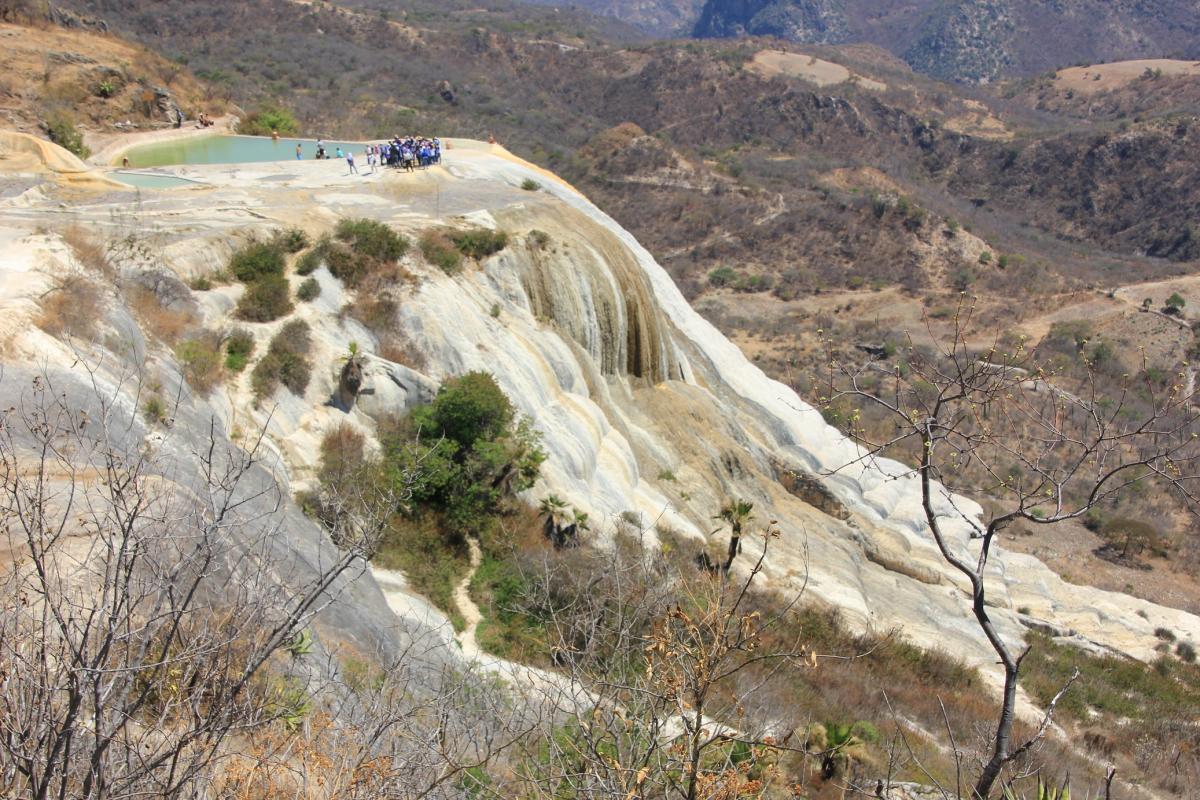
(971, 40)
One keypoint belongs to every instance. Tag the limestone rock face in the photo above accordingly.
(391, 389)
(646, 411)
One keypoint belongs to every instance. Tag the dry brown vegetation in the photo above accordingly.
(163, 322)
(72, 308)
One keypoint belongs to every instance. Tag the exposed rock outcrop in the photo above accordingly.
(804, 21)
(971, 40)
(597, 346)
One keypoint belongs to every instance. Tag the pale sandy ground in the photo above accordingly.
(1103, 77)
(978, 120)
(770, 63)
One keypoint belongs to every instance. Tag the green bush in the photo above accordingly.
(286, 362)
(308, 290)
(439, 250)
(238, 349)
(266, 299)
(432, 564)
(308, 263)
(372, 239)
(752, 283)
(290, 240)
(530, 185)
(360, 247)
(722, 276)
(479, 243)
(468, 449)
(155, 410)
(256, 260)
(62, 131)
(269, 119)
(500, 587)
(201, 362)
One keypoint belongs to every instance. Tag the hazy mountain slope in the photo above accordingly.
(659, 17)
(973, 40)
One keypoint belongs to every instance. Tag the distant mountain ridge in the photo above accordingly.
(972, 40)
(667, 18)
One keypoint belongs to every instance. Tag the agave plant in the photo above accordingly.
(1044, 791)
(301, 644)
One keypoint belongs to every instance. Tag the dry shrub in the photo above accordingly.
(342, 456)
(287, 361)
(72, 308)
(164, 323)
(439, 250)
(377, 308)
(88, 250)
(376, 311)
(398, 350)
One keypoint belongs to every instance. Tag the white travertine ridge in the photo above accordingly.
(647, 412)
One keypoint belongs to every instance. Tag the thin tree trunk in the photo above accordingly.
(733, 548)
(991, 770)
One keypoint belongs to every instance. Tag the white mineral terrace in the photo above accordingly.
(597, 346)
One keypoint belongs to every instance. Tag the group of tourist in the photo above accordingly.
(407, 153)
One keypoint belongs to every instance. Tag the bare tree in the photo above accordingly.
(657, 662)
(148, 601)
(1042, 446)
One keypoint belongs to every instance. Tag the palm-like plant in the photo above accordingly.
(554, 509)
(838, 745)
(735, 513)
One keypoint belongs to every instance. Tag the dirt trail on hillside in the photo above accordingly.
(466, 606)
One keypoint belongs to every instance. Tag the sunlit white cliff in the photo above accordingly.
(592, 340)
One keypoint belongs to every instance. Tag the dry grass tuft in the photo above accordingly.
(399, 350)
(72, 308)
(164, 323)
(88, 250)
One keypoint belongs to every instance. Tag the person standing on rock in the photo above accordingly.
(350, 162)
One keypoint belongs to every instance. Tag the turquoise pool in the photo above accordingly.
(145, 180)
(225, 149)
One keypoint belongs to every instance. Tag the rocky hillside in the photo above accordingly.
(578, 325)
(971, 40)
(665, 18)
(62, 77)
